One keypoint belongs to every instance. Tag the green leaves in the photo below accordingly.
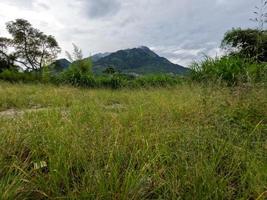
(248, 43)
(33, 49)
(228, 69)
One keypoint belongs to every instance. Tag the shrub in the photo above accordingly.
(156, 81)
(47, 75)
(257, 72)
(15, 76)
(249, 43)
(78, 74)
(114, 82)
(228, 69)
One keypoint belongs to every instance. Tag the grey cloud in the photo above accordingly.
(181, 30)
(44, 6)
(102, 8)
(27, 4)
(20, 3)
(186, 55)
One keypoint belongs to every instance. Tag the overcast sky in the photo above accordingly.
(180, 30)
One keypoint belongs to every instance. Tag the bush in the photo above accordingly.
(78, 74)
(257, 72)
(248, 43)
(47, 75)
(156, 81)
(15, 76)
(4, 65)
(228, 69)
(113, 82)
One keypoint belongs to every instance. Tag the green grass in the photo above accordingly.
(187, 142)
(230, 70)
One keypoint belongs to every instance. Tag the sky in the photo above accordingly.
(181, 30)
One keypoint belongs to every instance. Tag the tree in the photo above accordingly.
(32, 48)
(248, 43)
(3, 64)
(260, 18)
(6, 60)
(260, 15)
(109, 70)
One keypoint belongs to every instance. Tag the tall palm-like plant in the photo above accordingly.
(260, 15)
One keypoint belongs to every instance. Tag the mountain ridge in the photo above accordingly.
(140, 60)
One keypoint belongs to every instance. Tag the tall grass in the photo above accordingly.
(187, 142)
(74, 77)
(230, 70)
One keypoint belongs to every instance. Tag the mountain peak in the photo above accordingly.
(144, 48)
(98, 56)
(141, 60)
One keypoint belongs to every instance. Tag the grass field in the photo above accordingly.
(187, 142)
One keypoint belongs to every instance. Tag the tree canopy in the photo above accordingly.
(31, 48)
(249, 43)
(6, 60)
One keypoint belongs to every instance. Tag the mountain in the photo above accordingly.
(140, 60)
(98, 56)
(60, 65)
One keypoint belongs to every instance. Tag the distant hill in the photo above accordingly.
(137, 60)
(140, 60)
(98, 56)
(60, 65)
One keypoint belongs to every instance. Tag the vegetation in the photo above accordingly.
(249, 43)
(244, 63)
(76, 54)
(74, 76)
(230, 70)
(188, 142)
(109, 70)
(6, 61)
(161, 136)
(260, 15)
(140, 60)
(32, 48)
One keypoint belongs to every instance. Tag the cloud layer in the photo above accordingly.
(181, 30)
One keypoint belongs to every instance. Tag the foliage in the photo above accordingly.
(6, 62)
(32, 48)
(229, 69)
(117, 81)
(109, 70)
(77, 54)
(15, 76)
(157, 81)
(260, 14)
(187, 142)
(249, 43)
(79, 73)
